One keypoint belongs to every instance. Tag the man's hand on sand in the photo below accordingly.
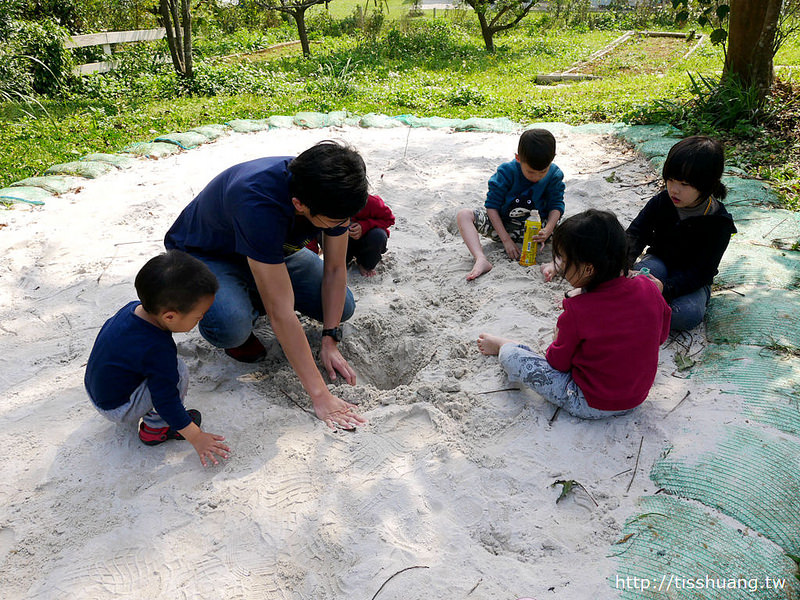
(335, 412)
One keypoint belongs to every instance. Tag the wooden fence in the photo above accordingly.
(105, 40)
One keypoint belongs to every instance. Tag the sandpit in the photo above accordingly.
(450, 474)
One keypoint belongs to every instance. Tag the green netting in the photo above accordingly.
(656, 147)
(315, 120)
(637, 134)
(499, 125)
(768, 382)
(377, 121)
(765, 226)
(678, 550)
(248, 125)
(553, 127)
(430, 122)
(755, 316)
(152, 149)
(121, 162)
(56, 184)
(24, 194)
(281, 121)
(748, 264)
(212, 132)
(747, 191)
(753, 475)
(186, 140)
(88, 169)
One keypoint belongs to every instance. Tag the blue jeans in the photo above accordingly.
(688, 310)
(555, 386)
(232, 317)
(140, 404)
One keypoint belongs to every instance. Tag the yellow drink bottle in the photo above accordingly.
(528, 257)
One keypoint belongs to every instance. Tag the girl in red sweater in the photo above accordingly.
(604, 354)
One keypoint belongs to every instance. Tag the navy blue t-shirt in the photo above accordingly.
(129, 350)
(245, 211)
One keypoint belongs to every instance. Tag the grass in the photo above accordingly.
(424, 67)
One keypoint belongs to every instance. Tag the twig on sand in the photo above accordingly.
(398, 573)
(552, 419)
(475, 587)
(763, 237)
(678, 404)
(512, 389)
(297, 404)
(635, 466)
(621, 473)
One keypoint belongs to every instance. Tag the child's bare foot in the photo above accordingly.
(490, 344)
(548, 270)
(366, 272)
(481, 266)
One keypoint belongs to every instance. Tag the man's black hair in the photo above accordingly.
(699, 161)
(537, 148)
(174, 281)
(330, 179)
(592, 237)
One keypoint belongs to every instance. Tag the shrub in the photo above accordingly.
(40, 46)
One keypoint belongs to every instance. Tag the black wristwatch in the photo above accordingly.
(335, 333)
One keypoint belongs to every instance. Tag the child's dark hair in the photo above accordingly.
(330, 179)
(174, 281)
(698, 161)
(537, 148)
(592, 237)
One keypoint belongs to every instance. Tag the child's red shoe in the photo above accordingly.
(152, 436)
(249, 352)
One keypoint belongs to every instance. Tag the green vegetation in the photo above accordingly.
(370, 59)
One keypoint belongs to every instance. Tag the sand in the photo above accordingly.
(450, 476)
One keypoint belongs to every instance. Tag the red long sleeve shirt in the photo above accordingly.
(609, 339)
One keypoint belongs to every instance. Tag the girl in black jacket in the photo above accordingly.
(685, 229)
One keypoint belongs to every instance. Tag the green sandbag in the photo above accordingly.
(79, 168)
(313, 120)
(760, 225)
(211, 132)
(747, 191)
(749, 265)
(281, 121)
(121, 162)
(429, 122)
(656, 147)
(248, 125)
(756, 316)
(752, 475)
(55, 184)
(767, 381)
(637, 134)
(378, 121)
(554, 127)
(24, 194)
(152, 149)
(186, 140)
(499, 125)
(676, 549)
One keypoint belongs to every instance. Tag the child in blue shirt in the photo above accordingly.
(530, 182)
(134, 371)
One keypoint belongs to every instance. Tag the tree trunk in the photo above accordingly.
(753, 24)
(486, 31)
(186, 16)
(299, 15)
(178, 24)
